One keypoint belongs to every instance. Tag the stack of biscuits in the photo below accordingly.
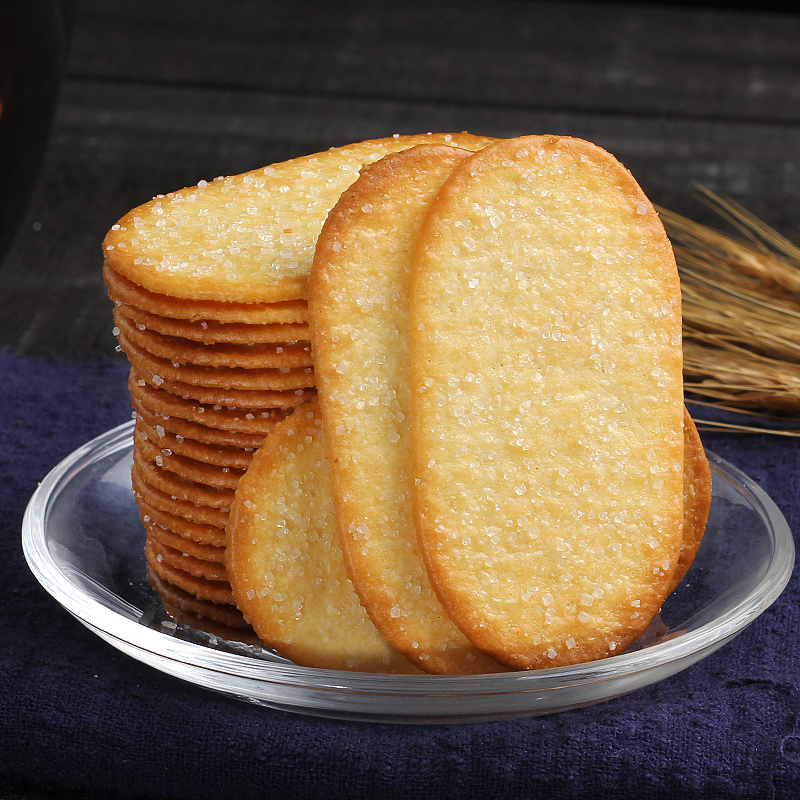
(210, 288)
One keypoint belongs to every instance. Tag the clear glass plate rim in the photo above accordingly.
(95, 615)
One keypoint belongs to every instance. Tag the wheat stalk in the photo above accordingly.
(741, 313)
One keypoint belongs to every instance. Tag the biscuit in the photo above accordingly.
(218, 592)
(203, 533)
(255, 423)
(229, 379)
(199, 567)
(202, 434)
(248, 238)
(696, 498)
(121, 290)
(284, 560)
(187, 468)
(275, 355)
(181, 488)
(358, 311)
(175, 597)
(547, 402)
(171, 504)
(165, 536)
(212, 332)
(221, 456)
(210, 626)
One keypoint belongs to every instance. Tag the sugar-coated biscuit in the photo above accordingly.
(547, 402)
(168, 537)
(219, 455)
(285, 563)
(199, 567)
(248, 238)
(213, 332)
(122, 290)
(696, 498)
(272, 355)
(187, 468)
(172, 504)
(212, 591)
(358, 311)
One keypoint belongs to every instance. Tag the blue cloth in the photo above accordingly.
(75, 711)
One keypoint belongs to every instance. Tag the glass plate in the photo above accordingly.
(83, 541)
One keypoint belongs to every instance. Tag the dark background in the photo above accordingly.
(158, 94)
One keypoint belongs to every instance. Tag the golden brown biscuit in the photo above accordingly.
(547, 402)
(211, 591)
(187, 468)
(168, 538)
(203, 534)
(175, 597)
(255, 422)
(247, 238)
(198, 432)
(218, 455)
(121, 290)
(230, 379)
(212, 332)
(696, 498)
(199, 567)
(275, 355)
(358, 310)
(285, 563)
(171, 504)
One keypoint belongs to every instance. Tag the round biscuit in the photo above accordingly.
(218, 592)
(165, 536)
(186, 468)
(202, 434)
(200, 623)
(249, 422)
(173, 596)
(175, 486)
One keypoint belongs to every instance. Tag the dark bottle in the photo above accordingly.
(33, 38)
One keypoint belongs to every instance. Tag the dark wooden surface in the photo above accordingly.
(159, 94)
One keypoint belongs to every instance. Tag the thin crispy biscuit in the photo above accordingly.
(225, 378)
(181, 488)
(277, 355)
(250, 237)
(121, 290)
(237, 403)
(202, 434)
(199, 567)
(164, 536)
(175, 597)
(220, 456)
(210, 626)
(696, 498)
(172, 504)
(212, 332)
(358, 309)
(187, 468)
(547, 402)
(285, 563)
(251, 422)
(202, 534)
(218, 592)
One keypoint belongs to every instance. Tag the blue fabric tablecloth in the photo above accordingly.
(77, 712)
